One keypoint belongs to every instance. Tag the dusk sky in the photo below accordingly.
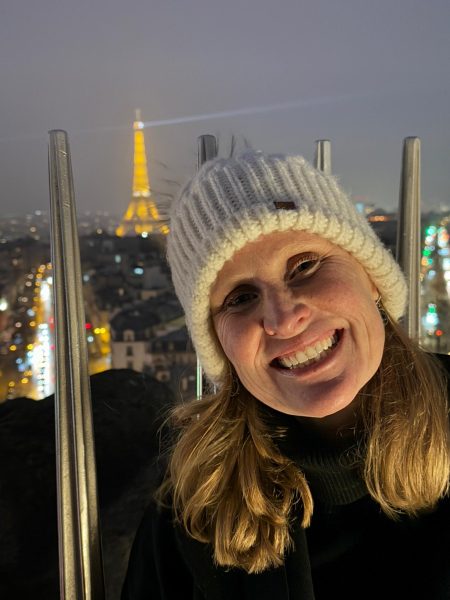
(365, 74)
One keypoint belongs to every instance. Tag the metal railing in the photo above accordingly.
(322, 156)
(80, 562)
(206, 150)
(408, 232)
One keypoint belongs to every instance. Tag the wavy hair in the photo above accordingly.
(231, 487)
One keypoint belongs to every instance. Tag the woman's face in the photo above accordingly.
(296, 317)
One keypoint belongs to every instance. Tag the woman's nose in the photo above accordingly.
(284, 315)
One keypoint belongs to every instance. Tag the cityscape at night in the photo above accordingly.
(325, 449)
(133, 319)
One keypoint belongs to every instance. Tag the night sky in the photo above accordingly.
(364, 74)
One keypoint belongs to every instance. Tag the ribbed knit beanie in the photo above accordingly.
(231, 202)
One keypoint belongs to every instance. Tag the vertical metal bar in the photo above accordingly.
(322, 156)
(206, 150)
(81, 573)
(408, 231)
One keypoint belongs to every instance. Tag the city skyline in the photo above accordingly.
(279, 75)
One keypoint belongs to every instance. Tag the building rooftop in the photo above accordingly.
(146, 314)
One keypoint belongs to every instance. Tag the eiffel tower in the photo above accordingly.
(142, 215)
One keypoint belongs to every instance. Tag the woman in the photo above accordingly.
(319, 467)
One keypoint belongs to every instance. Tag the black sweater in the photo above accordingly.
(351, 550)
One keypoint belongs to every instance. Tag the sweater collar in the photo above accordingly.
(331, 463)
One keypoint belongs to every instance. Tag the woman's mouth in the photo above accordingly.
(310, 355)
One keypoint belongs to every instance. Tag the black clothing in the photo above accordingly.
(351, 550)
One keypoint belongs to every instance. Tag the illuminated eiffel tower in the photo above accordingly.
(142, 215)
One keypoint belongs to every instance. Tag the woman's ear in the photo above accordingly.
(375, 293)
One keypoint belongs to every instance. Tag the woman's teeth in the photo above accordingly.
(309, 355)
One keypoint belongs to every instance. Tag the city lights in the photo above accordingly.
(435, 263)
(117, 275)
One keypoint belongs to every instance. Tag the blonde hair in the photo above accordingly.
(231, 487)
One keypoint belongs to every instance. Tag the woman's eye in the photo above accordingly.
(239, 300)
(305, 266)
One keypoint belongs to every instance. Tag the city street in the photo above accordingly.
(27, 361)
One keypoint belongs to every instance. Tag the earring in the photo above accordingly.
(383, 315)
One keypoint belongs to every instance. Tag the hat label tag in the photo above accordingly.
(284, 205)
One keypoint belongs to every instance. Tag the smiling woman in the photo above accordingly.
(294, 313)
(319, 468)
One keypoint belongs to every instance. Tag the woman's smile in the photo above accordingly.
(311, 355)
(306, 351)
(296, 317)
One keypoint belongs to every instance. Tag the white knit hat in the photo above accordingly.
(231, 202)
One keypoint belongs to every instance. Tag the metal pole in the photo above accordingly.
(207, 150)
(408, 231)
(322, 156)
(81, 573)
